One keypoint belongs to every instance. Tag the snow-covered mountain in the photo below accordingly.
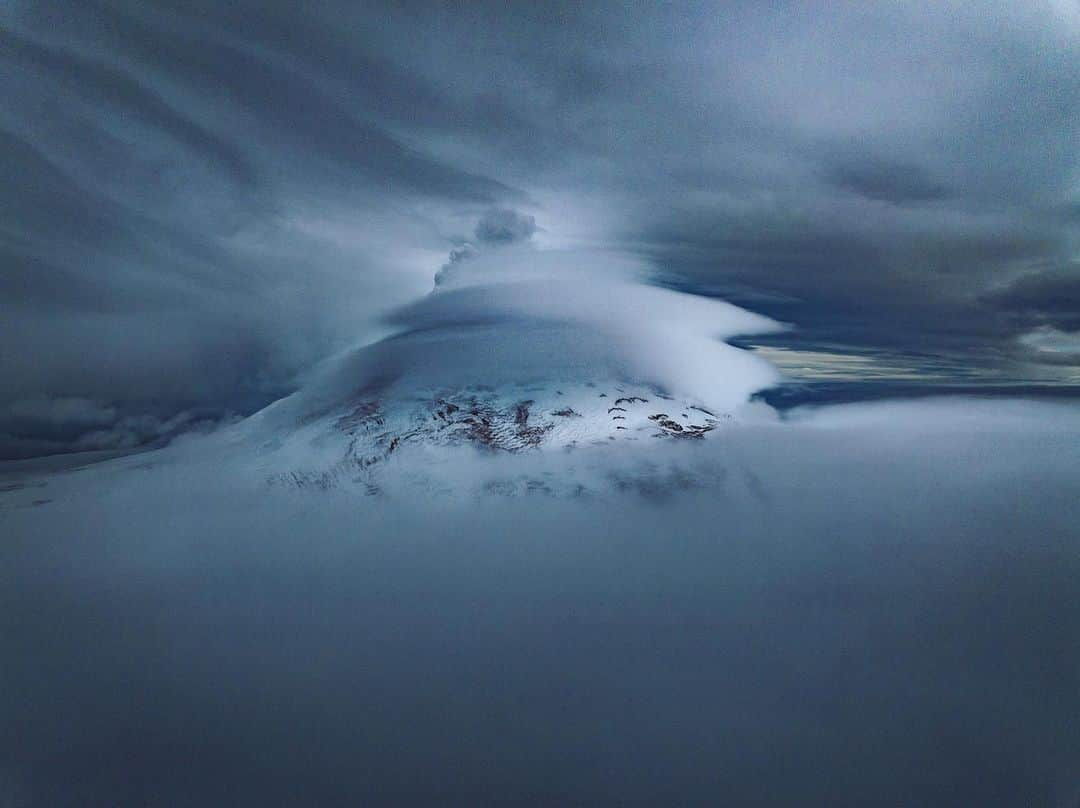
(517, 353)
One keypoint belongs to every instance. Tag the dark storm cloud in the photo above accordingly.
(111, 88)
(202, 199)
(498, 227)
(190, 219)
(888, 182)
(1050, 297)
(79, 424)
(504, 226)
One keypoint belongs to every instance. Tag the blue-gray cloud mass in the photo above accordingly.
(202, 200)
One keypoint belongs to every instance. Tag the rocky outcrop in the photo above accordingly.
(376, 428)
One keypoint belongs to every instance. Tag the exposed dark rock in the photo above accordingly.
(675, 429)
(472, 415)
(521, 413)
(363, 417)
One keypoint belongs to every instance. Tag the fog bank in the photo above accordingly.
(872, 604)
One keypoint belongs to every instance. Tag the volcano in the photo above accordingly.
(516, 354)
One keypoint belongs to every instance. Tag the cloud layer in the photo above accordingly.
(861, 606)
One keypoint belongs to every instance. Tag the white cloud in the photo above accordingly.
(1048, 339)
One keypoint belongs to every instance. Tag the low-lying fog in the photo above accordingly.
(860, 605)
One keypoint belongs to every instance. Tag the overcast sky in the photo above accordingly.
(200, 200)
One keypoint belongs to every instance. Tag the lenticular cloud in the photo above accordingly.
(519, 349)
(522, 316)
